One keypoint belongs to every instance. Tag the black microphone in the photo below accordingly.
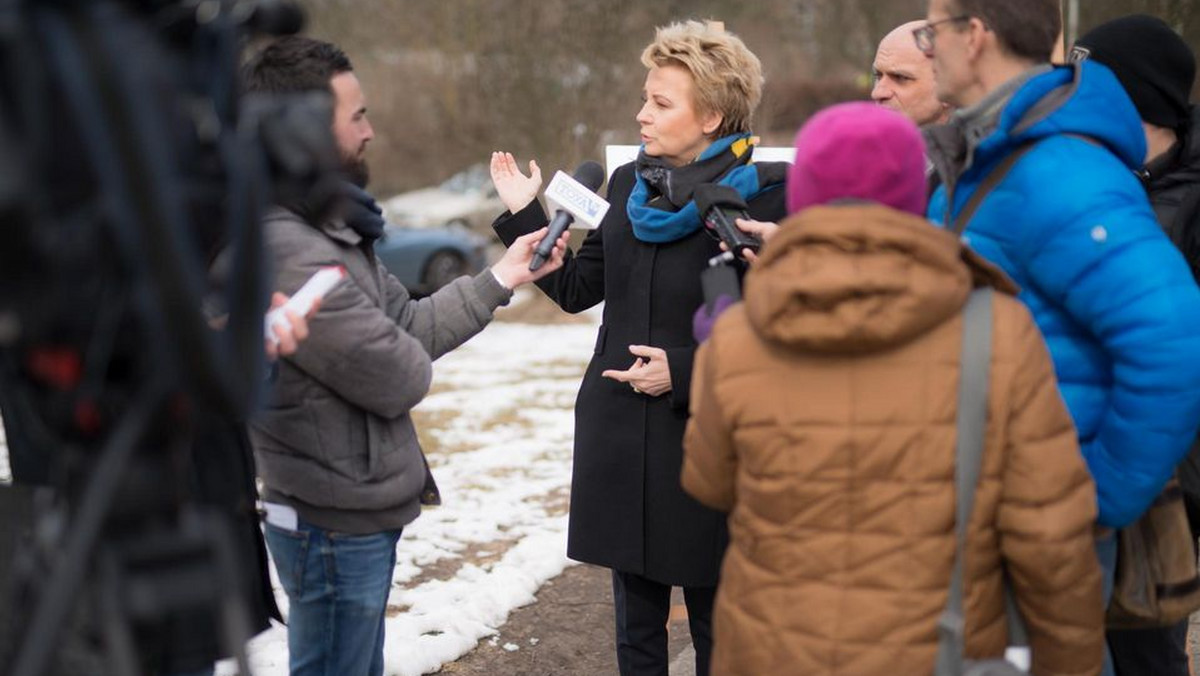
(719, 206)
(587, 178)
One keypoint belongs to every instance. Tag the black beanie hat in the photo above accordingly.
(1155, 66)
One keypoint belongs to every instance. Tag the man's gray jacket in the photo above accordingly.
(335, 439)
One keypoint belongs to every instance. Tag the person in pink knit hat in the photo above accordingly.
(871, 159)
(823, 421)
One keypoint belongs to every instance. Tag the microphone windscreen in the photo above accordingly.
(709, 195)
(590, 174)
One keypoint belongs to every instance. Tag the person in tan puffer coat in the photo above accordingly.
(823, 421)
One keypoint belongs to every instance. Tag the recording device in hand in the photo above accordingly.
(720, 206)
(316, 288)
(128, 160)
(575, 196)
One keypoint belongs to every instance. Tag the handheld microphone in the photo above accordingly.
(720, 205)
(574, 197)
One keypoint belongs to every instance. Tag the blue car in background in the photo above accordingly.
(426, 259)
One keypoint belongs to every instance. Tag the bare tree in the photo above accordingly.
(448, 81)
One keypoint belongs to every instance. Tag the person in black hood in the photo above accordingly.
(1157, 69)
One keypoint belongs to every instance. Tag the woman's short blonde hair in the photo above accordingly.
(727, 75)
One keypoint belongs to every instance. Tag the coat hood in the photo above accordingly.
(1064, 101)
(860, 278)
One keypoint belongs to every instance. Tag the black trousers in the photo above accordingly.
(642, 607)
(1161, 651)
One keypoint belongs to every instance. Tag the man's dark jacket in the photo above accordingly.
(1173, 184)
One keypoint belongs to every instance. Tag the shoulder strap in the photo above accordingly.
(993, 179)
(971, 418)
(975, 357)
(989, 183)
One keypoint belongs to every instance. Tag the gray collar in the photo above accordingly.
(981, 120)
(952, 145)
(334, 228)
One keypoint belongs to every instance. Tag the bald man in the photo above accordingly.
(904, 78)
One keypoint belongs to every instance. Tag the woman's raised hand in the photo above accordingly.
(516, 190)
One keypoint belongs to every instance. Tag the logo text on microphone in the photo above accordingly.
(566, 193)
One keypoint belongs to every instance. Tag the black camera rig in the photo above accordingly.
(128, 160)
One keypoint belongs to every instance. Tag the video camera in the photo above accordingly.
(129, 160)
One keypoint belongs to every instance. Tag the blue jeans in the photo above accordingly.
(1106, 551)
(337, 587)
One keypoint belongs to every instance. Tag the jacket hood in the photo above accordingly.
(860, 278)
(1066, 100)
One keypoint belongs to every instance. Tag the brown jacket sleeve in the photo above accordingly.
(1046, 514)
(709, 458)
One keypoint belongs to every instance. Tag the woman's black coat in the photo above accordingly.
(628, 510)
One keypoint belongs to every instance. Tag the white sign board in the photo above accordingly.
(615, 156)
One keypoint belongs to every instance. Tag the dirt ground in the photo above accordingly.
(567, 632)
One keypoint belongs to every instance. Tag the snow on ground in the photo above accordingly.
(497, 428)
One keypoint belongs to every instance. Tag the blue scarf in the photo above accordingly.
(658, 219)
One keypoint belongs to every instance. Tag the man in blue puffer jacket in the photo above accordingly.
(1071, 224)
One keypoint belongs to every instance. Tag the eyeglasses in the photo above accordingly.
(925, 34)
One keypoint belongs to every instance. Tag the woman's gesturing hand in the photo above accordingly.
(649, 374)
(515, 189)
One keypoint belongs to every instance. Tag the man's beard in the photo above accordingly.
(356, 170)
